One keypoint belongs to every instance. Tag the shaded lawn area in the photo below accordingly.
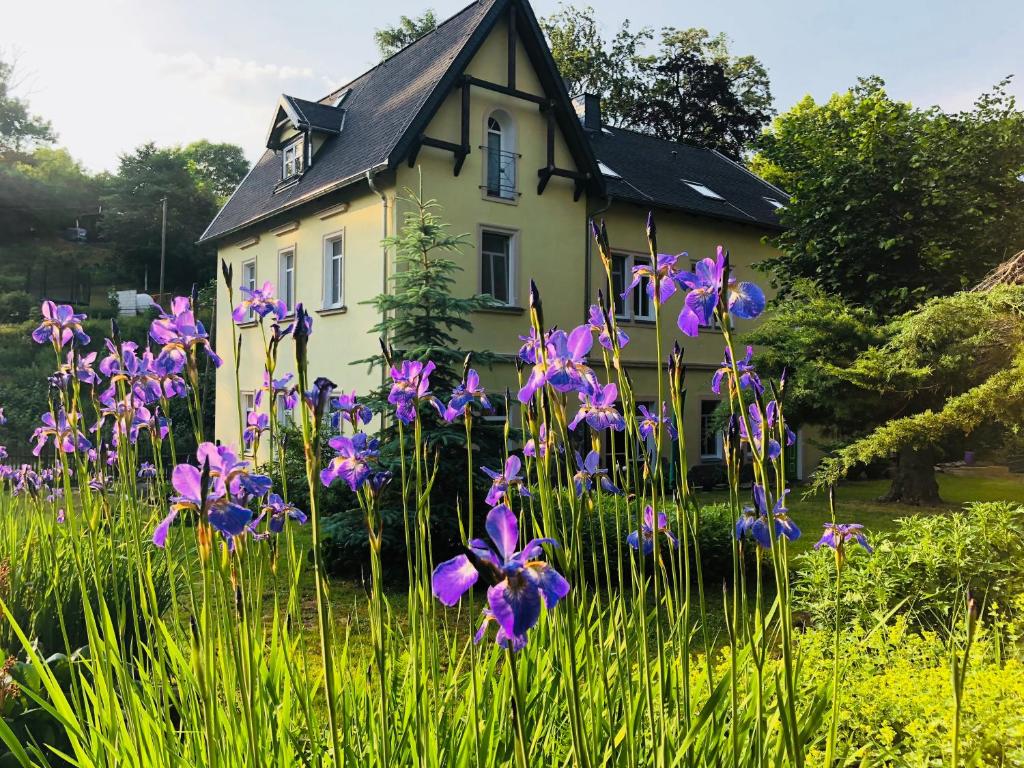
(857, 502)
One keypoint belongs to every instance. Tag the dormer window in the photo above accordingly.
(292, 159)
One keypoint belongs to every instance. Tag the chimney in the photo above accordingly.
(592, 112)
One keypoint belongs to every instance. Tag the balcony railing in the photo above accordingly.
(501, 173)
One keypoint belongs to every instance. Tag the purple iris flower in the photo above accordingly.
(663, 272)
(278, 511)
(538, 448)
(66, 436)
(348, 408)
(501, 637)
(81, 367)
(319, 397)
(259, 302)
(597, 407)
(181, 333)
(644, 538)
(410, 384)
(521, 582)
(745, 300)
(754, 520)
(257, 423)
(468, 392)
(147, 471)
(589, 470)
(228, 488)
(837, 535)
(282, 387)
(648, 426)
(503, 482)
(530, 350)
(353, 460)
(60, 325)
(597, 325)
(748, 376)
(565, 369)
(766, 426)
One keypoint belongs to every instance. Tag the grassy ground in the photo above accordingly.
(858, 501)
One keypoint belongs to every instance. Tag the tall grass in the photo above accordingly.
(196, 654)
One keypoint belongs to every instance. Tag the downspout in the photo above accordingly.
(587, 257)
(384, 249)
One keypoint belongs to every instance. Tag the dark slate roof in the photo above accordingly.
(379, 110)
(652, 173)
(319, 117)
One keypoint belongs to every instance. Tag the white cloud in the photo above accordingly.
(107, 90)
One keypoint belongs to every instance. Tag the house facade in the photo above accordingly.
(477, 110)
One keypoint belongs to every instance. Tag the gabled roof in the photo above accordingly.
(382, 105)
(320, 117)
(653, 172)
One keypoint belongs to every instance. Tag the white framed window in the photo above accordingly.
(284, 414)
(286, 277)
(703, 190)
(334, 271)
(249, 280)
(710, 437)
(293, 159)
(248, 406)
(497, 264)
(638, 306)
(500, 177)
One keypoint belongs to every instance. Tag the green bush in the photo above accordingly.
(923, 568)
(15, 306)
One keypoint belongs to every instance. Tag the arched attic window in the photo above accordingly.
(500, 170)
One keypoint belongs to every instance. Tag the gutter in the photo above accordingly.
(292, 204)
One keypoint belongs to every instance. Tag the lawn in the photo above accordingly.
(858, 501)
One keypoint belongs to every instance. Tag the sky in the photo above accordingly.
(113, 74)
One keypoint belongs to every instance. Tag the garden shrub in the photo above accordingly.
(923, 568)
(15, 306)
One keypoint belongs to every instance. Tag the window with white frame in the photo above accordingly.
(497, 251)
(638, 306)
(249, 279)
(286, 278)
(284, 414)
(334, 262)
(248, 406)
(710, 435)
(292, 159)
(499, 149)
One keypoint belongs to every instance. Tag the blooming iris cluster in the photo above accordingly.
(755, 519)
(838, 535)
(503, 482)
(705, 285)
(410, 385)
(63, 431)
(347, 408)
(259, 302)
(596, 321)
(597, 407)
(221, 493)
(181, 334)
(354, 462)
(643, 539)
(648, 424)
(745, 368)
(469, 391)
(589, 472)
(60, 326)
(520, 582)
(763, 427)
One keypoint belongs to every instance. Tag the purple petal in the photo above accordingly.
(503, 528)
(187, 481)
(160, 534)
(453, 578)
(553, 586)
(516, 610)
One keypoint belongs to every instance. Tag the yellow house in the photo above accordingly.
(478, 107)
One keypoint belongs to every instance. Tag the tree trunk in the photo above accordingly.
(914, 481)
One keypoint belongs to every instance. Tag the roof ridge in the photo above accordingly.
(401, 50)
